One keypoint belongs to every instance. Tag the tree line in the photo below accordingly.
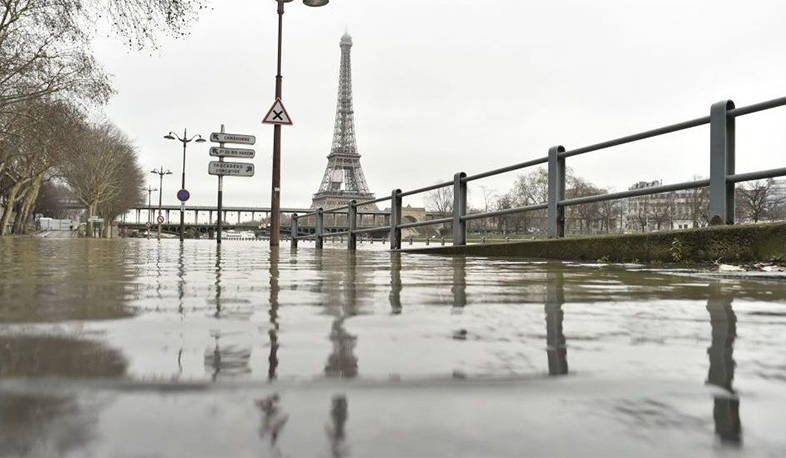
(755, 201)
(51, 86)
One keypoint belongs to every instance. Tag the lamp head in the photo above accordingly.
(316, 2)
(200, 139)
(169, 136)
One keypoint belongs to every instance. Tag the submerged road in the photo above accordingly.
(145, 347)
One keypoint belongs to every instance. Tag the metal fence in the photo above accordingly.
(721, 184)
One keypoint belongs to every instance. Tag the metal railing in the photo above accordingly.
(721, 183)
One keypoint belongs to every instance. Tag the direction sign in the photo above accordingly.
(218, 137)
(244, 153)
(183, 195)
(277, 115)
(160, 219)
(95, 219)
(238, 169)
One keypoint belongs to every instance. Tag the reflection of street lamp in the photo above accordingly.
(185, 141)
(149, 209)
(275, 206)
(160, 172)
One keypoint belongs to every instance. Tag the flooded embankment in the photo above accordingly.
(734, 243)
(141, 347)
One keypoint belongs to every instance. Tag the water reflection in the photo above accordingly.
(342, 362)
(459, 288)
(273, 316)
(44, 425)
(62, 280)
(395, 283)
(181, 278)
(555, 338)
(726, 408)
(336, 430)
(63, 356)
(229, 360)
(273, 421)
(49, 425)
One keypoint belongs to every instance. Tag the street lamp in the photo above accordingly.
(160, 172)
(275, 197)
(185, 141)
(149, 191)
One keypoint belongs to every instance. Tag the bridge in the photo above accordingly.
(254, 219)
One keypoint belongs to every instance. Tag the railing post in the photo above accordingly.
(294, 230)
(352, 219)
(555, 226)
(721, 163)
(459, 209)
(320, 228)
(395, 220)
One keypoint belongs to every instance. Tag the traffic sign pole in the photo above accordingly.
(221, 168)
(220, 195)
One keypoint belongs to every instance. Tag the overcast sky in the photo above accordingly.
(443, 86)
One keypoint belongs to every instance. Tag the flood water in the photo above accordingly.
(141, 347)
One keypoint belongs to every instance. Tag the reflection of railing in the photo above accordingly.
(721, 183)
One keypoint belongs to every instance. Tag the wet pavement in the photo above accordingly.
(139, 347)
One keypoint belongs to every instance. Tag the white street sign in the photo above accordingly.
(95, 219)
(218, 137)
(244, 153)
(277, 115)
(237, 169)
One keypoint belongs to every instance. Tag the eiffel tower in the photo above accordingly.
(343, 180)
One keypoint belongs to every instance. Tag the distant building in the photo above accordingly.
(778, 191)
(663, 211)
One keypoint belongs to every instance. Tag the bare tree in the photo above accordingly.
(440, 200)
(639, 211)
(103, 173)
(608, 210)
(662, 210)
(585, 214)
(31, 155)
(698, 204)
(50, 199)
(755, 200)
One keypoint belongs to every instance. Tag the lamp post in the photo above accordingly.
(149, 208)
(275, 197)
(185, 141)
(160, 172)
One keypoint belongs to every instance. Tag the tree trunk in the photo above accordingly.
(27, 207)
(91, 209)
(9, 207)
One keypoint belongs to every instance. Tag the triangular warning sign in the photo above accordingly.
(277, 115)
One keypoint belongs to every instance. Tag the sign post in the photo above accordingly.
(278, 116)
(220, 191)
(221, 168)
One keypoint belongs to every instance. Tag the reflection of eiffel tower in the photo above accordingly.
(343, 179)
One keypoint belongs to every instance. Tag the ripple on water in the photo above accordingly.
(143, 311)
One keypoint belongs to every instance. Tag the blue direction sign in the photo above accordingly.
(183, 195)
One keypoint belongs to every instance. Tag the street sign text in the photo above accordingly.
(238, 169)
(218, 137)
(244, 153)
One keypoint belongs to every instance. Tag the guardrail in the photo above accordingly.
(721, 183)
